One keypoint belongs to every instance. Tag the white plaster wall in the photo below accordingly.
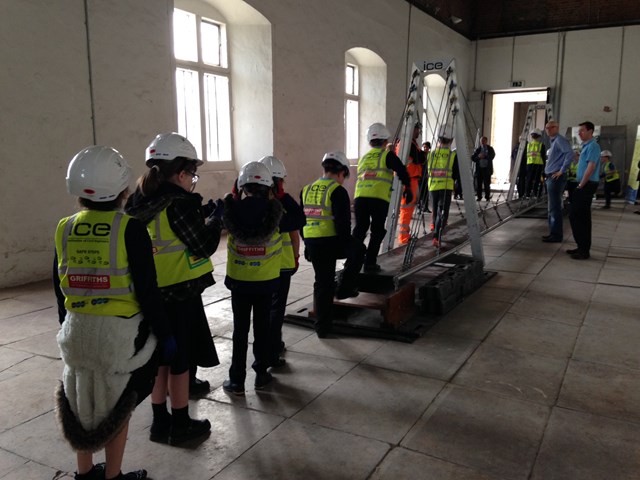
(45, 118)
(593, 69)
(309, 44)
(46, 108)
(46, 102)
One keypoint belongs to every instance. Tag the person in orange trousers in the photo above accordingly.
(414, 168)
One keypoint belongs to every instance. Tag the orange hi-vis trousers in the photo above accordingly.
(406, 209)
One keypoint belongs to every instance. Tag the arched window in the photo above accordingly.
(202, 84)
(365, 97)
(352, 111)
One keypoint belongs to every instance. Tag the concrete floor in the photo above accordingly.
(534, 376)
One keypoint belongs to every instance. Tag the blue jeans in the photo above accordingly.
(555, 190)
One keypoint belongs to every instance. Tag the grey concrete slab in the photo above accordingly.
(518, 374)
(612, 346)
(299, 450)
(473, 319)
(25, 325)
(534, 335)
(346, 348)
(44, 344)
(394, 401)
(551, 307)
(611, 315)
(401, 463)
(602, 390)
(29, 393)
(433, 355)
(11, 307)
(493, 434)
(10, 462)
(9, 359)
(233, 432)
(615, 295)
(295, 385)
(220, 318)
(588, 447)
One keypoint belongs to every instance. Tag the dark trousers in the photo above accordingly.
(534, 172)
(324, 267)
(580, 215)
(370, 212)
(571, 187)
(611, 189)
(242, 305)
(440, 203)
(276, 318)
(483, 180)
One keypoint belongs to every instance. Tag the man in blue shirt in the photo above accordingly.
(588, 177)
(559, 158)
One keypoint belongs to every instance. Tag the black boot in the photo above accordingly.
(185, 428)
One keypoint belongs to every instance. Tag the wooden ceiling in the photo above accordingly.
(482, 19)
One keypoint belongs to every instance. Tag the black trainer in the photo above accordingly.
(234, 388)
(262, 380)
(199, 387)
(278, 362)
(192, 430)
(135, 475)
(159, 431)
(96, 473)
(342, 293)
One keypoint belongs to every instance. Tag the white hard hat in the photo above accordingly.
(254, 172)
(169, 146)
(445, 131)
(606, 153)
(275, 166)
(377, 131)
(536, 131)
(338, 157)
(98, 173)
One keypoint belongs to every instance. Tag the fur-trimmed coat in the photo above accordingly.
(99, 355)
(251, 220)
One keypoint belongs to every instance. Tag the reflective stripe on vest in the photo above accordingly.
(572, 172)
(441, 169)
(610, 175)
(534, 155)
(288, 258)
(316, 203)
(374, 178)
(174, 262)
(93, 264)
(254, 263)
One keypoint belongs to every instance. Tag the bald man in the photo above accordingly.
(559, 159)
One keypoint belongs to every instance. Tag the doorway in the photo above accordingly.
(505, 113)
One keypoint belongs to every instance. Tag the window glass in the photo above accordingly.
(185, 43)
(188, 96)
(351, 122)
(218, 117)
(210, 33)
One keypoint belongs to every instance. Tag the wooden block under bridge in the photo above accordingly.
(396, 306)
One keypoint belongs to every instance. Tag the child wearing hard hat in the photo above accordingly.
(327, 237)
(183, 240)
(254, 254)
(611, 178)
(291, 222)
(111, 313)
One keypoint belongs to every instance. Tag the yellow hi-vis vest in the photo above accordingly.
(572, 172)
(174, 262)
(374, 178)
(534, 155)
(610, 175)
(316, 203)
(288, 261)
(93, 265)
(441, 169)
(254, 263)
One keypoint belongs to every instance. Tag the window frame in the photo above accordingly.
(201, 69)
(352, 97)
